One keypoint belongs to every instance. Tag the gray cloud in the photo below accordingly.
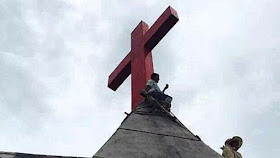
(220, 60)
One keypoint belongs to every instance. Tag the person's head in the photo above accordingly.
(234, 145)
(235, 142)
(155, 77)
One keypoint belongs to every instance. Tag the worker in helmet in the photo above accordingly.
(231, 146)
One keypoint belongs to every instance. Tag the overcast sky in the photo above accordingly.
(221, 61)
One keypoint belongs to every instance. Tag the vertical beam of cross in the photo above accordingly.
(138, 61)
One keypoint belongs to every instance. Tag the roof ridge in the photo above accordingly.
(160, 134)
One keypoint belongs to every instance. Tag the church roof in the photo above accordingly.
(24, 155)
(143, 134)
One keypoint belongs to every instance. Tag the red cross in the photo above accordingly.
(138, 61)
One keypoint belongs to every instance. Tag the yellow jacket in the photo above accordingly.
(228, 152)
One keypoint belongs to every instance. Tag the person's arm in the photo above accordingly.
(147, 88)
(239, 155)
(227, 152)
(166, 87)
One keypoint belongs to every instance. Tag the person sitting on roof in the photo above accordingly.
(153, 90)
(231, 146)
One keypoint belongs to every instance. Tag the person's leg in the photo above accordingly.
(164, 97)
(167, 101)
(157, 95)
(161, 96)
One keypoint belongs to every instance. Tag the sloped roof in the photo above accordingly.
(24, 155)
(143, 134)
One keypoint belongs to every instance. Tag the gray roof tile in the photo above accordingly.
(153, 135)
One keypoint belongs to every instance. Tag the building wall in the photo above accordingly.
(24, 155)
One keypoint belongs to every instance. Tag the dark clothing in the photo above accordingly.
(159, 96)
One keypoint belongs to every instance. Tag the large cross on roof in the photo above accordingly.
(138, 62)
